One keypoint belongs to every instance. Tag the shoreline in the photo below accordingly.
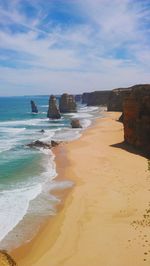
(60, 161)
(96, 212)
(59, 191)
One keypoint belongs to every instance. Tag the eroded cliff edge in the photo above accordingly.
(136, 110)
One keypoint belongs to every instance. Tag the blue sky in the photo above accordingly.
(52, 46)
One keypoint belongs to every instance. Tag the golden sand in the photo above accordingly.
(105, 219)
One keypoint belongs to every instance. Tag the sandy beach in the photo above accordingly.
(104, 219)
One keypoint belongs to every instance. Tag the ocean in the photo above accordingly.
(27, 176)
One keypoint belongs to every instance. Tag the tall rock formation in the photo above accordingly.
(67, 104)
(116, 98)
(34, 108)
(53, 111)
(136, 111)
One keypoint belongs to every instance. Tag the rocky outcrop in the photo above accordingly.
(41, 144)
(75, 123)
(6, 259)
(34, 108)
(53, 111)
(136, 110)
(67, 104)
(54, 143)
(116, 99)
(42, 131)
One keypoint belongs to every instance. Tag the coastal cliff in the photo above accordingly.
(67, 104)
(85, 97)
(78, 97)
(136, 111)
(53, 111)
(96, 98)
(116, 99)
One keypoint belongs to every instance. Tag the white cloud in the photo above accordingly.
(83, 56)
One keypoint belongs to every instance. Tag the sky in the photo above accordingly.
(74, 46)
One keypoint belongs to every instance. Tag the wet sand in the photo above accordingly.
(104, 219)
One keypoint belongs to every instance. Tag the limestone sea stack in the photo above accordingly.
(136, 111)
(67, 104)
(75, 123)
(34, 108)
(53, 110)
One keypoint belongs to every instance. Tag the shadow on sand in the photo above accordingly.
(127, 147)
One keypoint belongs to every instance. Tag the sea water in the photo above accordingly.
(27, 176)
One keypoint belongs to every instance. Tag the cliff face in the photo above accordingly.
(67, 104)
(34, 107)
(116, 98)
(78, 97)
(53, 111)
(136, 110)
(96, 98)
(85, 97)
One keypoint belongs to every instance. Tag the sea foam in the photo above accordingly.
(14, 205)
(31, 198)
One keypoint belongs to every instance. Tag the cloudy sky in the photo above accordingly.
(52, 46)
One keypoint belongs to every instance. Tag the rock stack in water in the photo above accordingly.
(34, 107)
(136, 111)
(75, 123)
(53, 111)
(67, 104)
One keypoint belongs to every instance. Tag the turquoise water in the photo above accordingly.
(27, 176)
(18, 126)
